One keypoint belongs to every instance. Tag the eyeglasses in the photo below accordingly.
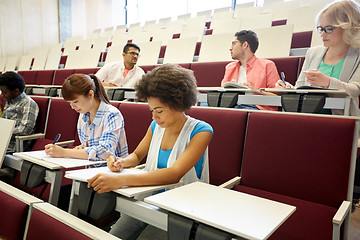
(133, 54)
(327, 29)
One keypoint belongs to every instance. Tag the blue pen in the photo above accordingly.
(282, 75)
(57, 138)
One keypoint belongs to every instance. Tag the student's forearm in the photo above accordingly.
(131, 160)
(75, 153)
(157, 177)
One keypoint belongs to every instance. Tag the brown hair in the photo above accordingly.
(173, 85)
(81, 84)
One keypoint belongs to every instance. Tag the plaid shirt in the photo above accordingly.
(24, 111)
(105, 136)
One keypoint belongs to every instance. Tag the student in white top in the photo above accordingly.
(123, 73)
(175, 144)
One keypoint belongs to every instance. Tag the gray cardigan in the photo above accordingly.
(349, 76)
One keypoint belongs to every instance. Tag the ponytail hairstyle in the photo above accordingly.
(81, 84)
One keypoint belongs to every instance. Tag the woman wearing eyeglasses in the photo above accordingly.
(335, 65)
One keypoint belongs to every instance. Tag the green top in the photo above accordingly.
(331, 70)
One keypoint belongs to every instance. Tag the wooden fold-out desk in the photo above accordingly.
(241, 214)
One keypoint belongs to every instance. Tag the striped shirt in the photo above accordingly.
(24, 111)
(105, 136)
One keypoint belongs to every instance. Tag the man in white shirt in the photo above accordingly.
(125, 73)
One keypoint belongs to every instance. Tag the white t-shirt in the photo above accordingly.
(113, 72)
(242, 75)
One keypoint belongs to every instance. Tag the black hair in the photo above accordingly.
(12, 81)
(129, 45)
(250, 37)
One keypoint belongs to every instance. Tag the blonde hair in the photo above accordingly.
(344, 14)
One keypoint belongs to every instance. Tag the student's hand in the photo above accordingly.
(105, 182)
(249, 85)
(79, 147)
(280, 84)
(54, 150)
(114, 164)
(109, 84)
(317, 78)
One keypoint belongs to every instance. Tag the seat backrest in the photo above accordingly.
(149, 53)
(137, 118)
(61, 75)
(62, 119)
(180, 50)
(209, 74)
(43, 104)
(305, 157)
(44, 77)
(289, 66)
(226, 146)
(301, 39)
(29, 76)
(214, 48)
(279, 36)
(86, 71)
(14, 205)
(48, 221)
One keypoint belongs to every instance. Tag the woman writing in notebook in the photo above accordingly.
(175, 144)
(335, 65)
(100, 125)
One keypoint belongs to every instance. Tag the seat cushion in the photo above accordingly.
(309, 221)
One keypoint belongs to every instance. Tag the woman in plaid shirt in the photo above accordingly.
(100, 125)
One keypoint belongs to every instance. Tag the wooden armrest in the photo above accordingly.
(65, 143)
(141, 166)
(341, 213)
(231, 183)
(30, 137)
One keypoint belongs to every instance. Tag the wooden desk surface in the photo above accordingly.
(241, 214)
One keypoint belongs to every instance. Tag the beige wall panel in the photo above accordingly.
(78, 9)
(50, 22)
(11, 28)
(32, 24)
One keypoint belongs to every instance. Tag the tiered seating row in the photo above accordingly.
(208, 74)
(251, 147)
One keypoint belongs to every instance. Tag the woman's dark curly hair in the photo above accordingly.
(173, 85)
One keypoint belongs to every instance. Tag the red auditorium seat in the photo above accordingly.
(61, 75)
(44, 77)
(29, 76)
(134, 124)
(86, 71)
(43, 104)
(13, 217)
(209, 74)
(226, 146)
(296, 160)
(301, 40)
(54, 228)
(62, 119)
(289, 66)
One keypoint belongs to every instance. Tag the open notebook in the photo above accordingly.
(6, 130)
(234, 85)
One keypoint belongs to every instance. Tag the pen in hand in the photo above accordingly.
(282, 75)
(57, 138)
